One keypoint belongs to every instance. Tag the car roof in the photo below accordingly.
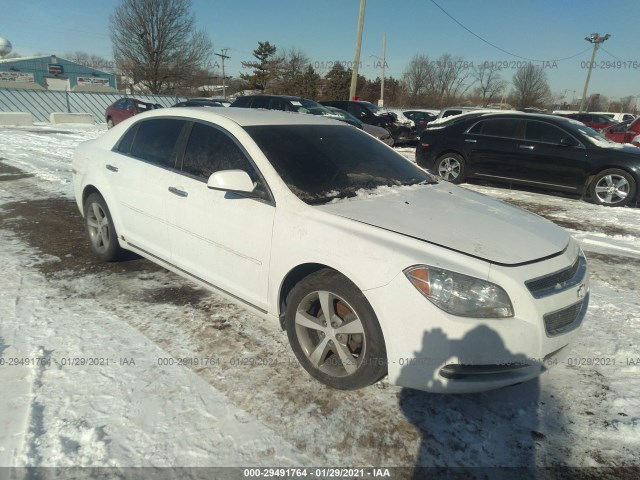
(477, 114)
(284, 97)
(244, 117)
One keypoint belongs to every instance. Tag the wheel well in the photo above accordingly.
(617, 167)
(292, 278)
(88, 190)
(444, 152)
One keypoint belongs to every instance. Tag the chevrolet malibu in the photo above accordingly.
(371, 266)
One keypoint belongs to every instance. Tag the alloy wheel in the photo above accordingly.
(330, 334)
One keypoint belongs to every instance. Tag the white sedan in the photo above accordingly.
(372, 266)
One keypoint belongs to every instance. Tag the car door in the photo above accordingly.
(139, 174)
(551, 157)
(219, 237)
(492, 147)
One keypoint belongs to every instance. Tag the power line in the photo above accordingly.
(608, 53)
(502, 49)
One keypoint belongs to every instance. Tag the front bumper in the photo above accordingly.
(428, 349)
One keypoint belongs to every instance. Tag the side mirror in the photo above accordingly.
(235, 181)
(568, 142)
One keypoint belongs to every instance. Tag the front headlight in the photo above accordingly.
(459, 294)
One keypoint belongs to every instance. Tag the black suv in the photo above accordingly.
(544, 151)
(284, 103)
(367, 113)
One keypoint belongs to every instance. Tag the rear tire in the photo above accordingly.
(451, 167)
(334, 332)
(613, 188)
(103, 239)
(109, 122)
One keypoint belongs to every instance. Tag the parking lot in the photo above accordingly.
(173, 356)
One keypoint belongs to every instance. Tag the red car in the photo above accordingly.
(125, 108)
(593, 120)
(625, 132)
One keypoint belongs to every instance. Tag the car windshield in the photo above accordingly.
(374, 108)
(320, 163)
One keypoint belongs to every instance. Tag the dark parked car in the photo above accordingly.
(421, 118)
(545, 151)
(380, 133)
(281, 102)
(126, 107)
(368, 113)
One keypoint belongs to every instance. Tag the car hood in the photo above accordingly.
(459, 220)
(375, 131)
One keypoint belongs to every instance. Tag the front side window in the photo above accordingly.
(322, 162)
(260, 102)
(544, 132)
(211, 150)
(156, 141)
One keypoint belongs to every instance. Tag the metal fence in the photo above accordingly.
(42, 103)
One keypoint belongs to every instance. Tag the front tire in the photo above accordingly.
(103, 239)
(334, 332)
(451, 167)
(613, 188)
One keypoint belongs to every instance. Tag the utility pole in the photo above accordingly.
(356, 57)
(223, 56)
(597, 40)
(384, 60)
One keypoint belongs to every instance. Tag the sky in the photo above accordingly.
(502, 32)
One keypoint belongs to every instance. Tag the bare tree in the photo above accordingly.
(451, 74)
(490, 83)
(91, 61)
(293, 66)
(156, 44)
(627, 104)
(530, 87)
(418, 78)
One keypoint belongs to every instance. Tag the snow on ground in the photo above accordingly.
(213, 385)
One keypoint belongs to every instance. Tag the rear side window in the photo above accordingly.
(499, 127)
(156, 141)
(277, 104)
(124, 146)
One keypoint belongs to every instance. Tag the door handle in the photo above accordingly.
(111, 168)
(470, 140)
(528, 147)
(178, 192)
